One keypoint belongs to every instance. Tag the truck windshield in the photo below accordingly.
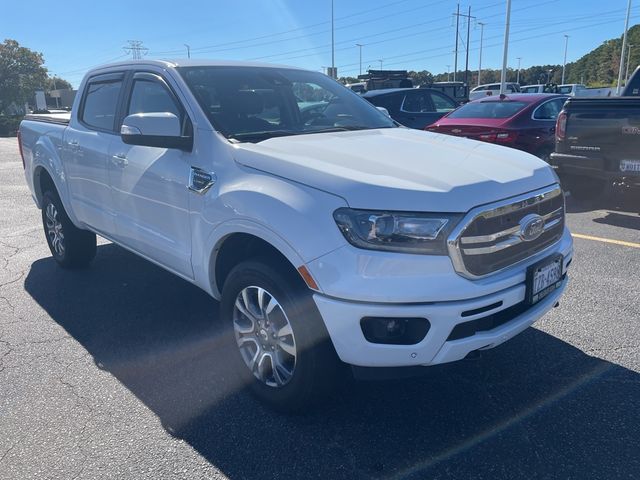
(256, 103)
(488, 110)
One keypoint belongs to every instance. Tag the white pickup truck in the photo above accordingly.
(330, 234)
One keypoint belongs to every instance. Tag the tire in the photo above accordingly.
(292, 334)
(70, 246)
(585, 188)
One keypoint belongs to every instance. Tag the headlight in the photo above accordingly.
(422, 233)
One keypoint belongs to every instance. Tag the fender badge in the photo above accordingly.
(200, 181)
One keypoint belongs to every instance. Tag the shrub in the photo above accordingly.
(9, 125)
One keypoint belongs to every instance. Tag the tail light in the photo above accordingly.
(503, 137)
(20, 148)
(561, 126)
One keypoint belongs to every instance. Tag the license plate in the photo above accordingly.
(543, 278)
(630, 166)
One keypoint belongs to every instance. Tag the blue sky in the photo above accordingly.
(405, 34)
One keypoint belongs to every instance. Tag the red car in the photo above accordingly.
(523, 121)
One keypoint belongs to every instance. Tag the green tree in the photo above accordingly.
(21, 73)
(423, 77)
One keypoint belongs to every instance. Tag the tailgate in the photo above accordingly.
(607, 128)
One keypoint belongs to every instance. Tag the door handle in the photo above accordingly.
(120, 160)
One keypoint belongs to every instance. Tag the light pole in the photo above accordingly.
(624, 46)
(564, 63)
(549, 72)
(333, 46)
(380, 63)
(188, 50)
(448, 73)
(626, 76)
(480, 59)
(503, 75)
(360, 45)
(518, 72)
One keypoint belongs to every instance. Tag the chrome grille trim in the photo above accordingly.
(503, 207)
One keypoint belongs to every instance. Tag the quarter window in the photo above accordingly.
(100, 104)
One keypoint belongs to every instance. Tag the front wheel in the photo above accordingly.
(70, 246)
(283, 351)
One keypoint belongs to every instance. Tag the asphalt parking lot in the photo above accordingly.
(117, 372)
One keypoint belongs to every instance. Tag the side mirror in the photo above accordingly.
(161, 129)
(385, 111)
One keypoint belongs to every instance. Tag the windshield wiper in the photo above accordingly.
(262, 135)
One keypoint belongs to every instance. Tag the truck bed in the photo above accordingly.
(59, 118)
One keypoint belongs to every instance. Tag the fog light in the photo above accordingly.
(394, 331)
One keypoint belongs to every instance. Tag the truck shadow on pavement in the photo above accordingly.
(535, 407)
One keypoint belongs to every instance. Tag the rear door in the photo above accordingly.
(417, 110)
(150, 184)
(87, 142)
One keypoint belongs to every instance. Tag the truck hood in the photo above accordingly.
(399, 168)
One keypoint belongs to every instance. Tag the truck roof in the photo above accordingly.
(173, 63)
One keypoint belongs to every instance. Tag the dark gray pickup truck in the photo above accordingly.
(598, 142)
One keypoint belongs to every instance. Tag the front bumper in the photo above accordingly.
(342, 317)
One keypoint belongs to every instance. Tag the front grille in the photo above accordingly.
(492, 238)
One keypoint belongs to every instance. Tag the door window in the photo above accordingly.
(417, 102)
(151, 97)
(100, 104)
(549, 110)
(441, 103)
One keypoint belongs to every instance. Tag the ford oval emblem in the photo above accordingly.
(531, 227)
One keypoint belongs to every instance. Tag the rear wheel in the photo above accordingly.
(284, 354)
(70, 246)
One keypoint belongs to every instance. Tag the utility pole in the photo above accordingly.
(564, 63)
(455, 62)
(55, 88)
(503, 75)
(518, 74)
(136, 49)
(360, 45)
(624, 46)
(333, 47)
(466, 65)
(626, 77)
(188, 50)
(480, 59)
(380, 63)
(448, 73)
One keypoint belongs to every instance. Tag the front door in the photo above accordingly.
(150, 184)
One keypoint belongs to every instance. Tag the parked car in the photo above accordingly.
(539, 88)
(523, 121)
(331, 239)
(412, 107)
(579, 90)
(489, 89)
(597, 141)
(358, 87)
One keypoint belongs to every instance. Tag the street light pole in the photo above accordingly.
(188, 50)
(380, 63)
(624, 46)
(564, 63)
(503, 75)
(518, 73)
(333, 46)
(480, 59)
(448, 73)
(359, 45)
